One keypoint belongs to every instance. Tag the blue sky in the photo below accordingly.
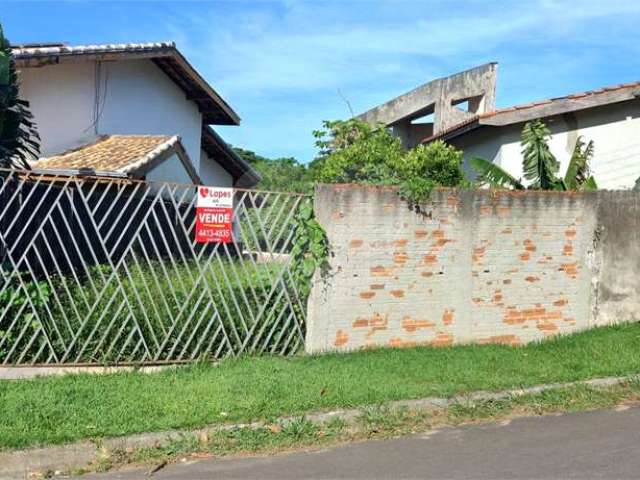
(287, 65)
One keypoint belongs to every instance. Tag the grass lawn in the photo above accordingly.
(372, 423)
(73, 407)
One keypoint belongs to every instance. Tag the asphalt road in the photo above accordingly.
(602, 444)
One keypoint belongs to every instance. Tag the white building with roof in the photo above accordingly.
(460, 110)
(135, 109)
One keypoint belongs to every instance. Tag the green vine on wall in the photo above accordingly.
(310, 249)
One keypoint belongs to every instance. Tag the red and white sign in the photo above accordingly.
(214, 215)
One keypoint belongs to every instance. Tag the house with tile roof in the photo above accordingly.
(461, 111)
(135, 110)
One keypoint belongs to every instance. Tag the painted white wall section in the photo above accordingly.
(134, 97)
(614, 129)
(171, 170)
(212, 173)
(61, 99)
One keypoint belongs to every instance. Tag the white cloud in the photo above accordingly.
(281, 64)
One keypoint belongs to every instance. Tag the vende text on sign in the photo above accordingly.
(214, 215)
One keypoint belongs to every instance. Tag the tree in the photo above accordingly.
(353, 151)
(279, 174)
(540, 166)
(19, 140)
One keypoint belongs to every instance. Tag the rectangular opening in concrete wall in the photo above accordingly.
(469, 104)
(428, 118)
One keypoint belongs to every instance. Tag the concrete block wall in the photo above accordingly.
(475, 266)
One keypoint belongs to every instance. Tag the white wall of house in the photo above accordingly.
(614, 129)
(171, 170)
(136, 98)
(212, 173)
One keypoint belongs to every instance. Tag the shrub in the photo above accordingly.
(355, 152)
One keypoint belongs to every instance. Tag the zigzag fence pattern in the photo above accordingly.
(106, 271)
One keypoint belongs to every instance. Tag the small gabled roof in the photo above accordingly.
(164, 54)
(542, 109)
(133, 155)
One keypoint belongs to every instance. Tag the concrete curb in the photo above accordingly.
(24, 373)
(20, 464)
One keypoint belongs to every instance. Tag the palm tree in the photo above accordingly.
(540, 166)
(19, 139)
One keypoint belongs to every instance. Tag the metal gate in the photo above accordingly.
(106, 271)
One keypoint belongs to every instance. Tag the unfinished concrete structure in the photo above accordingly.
(464, 115)
(451, 100)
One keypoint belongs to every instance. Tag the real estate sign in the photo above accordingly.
(214, 215)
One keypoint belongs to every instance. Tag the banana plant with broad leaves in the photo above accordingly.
(19, 140)
(539, 165)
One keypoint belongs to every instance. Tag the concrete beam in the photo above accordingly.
(439, 97)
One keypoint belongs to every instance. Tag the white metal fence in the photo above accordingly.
(106, 271)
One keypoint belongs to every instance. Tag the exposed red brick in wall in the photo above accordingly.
(360, 322)
(341, 338)
(398, 342)
(447, 317)
(497, 297)
(400, 258)
(478, 254)
(429, 260)
(538, 315)
(410, 324)
(571, 269)
(443, 339)
(502, 340)
(377, 323)
(492, 267)
(381, 271)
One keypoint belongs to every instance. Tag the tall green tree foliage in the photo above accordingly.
(19, 140)
(540, 166)
(279, 174)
